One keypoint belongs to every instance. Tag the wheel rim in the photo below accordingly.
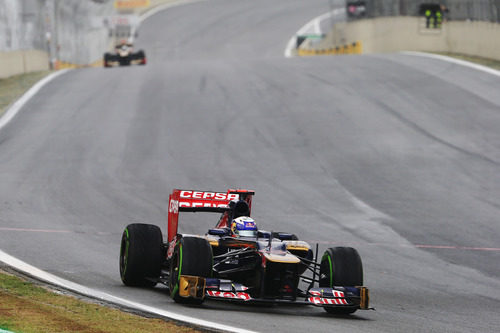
(124, 253)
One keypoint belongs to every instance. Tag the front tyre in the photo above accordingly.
(192, 256)
(341, 266)
(141, 255)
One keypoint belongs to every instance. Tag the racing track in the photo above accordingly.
(397, 155)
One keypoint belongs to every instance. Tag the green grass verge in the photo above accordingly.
(15, 86)
(26, 307)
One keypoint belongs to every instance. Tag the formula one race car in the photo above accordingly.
(124, 56)
(236, 261)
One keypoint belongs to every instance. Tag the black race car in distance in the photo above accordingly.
(124, 55)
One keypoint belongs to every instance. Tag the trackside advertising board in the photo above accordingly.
(131, 4)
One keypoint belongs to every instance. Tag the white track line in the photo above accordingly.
(16, 107)
(75, 287)
(455, 61)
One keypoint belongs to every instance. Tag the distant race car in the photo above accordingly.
(235, 261)
(124, 56)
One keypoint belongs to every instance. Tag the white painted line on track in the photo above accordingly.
(35, 230)
(75, 287)
(454, 61)
(16, 107)
(312, 27)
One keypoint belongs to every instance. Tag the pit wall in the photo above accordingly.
(405, 33)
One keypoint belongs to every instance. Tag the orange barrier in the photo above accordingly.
(354, 48)
(66, 65)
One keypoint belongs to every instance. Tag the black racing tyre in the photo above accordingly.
(141, 255)
(106, 60)
(341, 266)
(142, 57)
(192, 256)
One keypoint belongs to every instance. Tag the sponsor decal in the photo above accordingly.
(171, 247)
(190, 204)
(131, 4)
(209, 195)
(225, 294)
(173, 206)
(327, 301)
(335, 293)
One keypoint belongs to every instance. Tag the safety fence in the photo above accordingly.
(66, 29)
(459, 10)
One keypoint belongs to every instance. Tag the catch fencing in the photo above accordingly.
(69, 30)
(459, 10)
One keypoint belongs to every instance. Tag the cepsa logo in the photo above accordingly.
(205, 199)
(209, 195)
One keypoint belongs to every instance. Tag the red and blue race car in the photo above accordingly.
(236, 261)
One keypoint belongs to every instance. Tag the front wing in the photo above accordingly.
(218, 289)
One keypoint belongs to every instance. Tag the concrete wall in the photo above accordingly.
(22, 61)
(393, 34)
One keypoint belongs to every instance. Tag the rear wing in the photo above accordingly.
(204, 201)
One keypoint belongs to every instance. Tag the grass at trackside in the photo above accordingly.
(13, 87)
(495, 64)
(27, 308)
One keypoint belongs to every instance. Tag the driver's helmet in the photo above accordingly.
(244, 226)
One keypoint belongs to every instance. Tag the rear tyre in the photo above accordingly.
(341, 266)
(192, 256)
(141, 255)
(142, 57)
(107, 59)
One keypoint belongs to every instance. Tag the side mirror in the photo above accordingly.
(218, 232)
